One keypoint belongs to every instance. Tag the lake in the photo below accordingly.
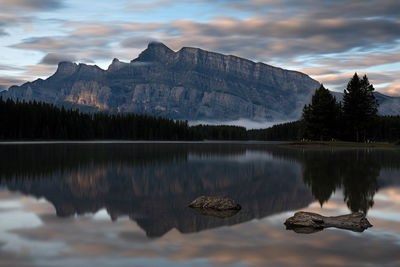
(125, 204)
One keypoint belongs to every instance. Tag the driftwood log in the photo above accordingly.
(308, 222)
(221, 207)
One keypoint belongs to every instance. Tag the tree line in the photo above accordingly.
(20, 120)
(353, 119)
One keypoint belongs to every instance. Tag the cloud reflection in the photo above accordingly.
(41, 238)
(262, 242)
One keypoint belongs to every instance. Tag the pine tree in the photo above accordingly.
(360, 108)
(321, 116)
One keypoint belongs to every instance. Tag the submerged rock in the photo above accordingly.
(308, 222)
(214, 203)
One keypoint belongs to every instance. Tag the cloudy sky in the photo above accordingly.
(329, 40)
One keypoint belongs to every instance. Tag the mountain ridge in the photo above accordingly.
(190, 84)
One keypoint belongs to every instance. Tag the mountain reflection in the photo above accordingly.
(153, 183)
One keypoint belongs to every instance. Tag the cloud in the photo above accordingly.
(152, 5)
(393, 89)
(39, 70)
(357, 8)
(7, 81)
(86, 49)
(293, 36)
(386, 82)
(45, 43)
(63, 43)
(268, 38)
(256, 38)
(97, 30)
(137, 42)
(54, 59)
(8, 21)
(25, 74)
(8, 67)
(36, 5)
(320, 9)
(144, 27)
(319, 70)
(360, 60)
(141, 6)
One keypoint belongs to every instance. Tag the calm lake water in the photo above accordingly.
(126, 204)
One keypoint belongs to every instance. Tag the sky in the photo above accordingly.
(328, 40)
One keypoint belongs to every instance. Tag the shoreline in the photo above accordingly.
(38, 142)
(340, 144)
(292, 144)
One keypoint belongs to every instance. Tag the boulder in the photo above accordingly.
(308, 222)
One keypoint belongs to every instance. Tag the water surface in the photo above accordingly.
(125, 204)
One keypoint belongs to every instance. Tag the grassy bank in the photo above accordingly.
(321, 144)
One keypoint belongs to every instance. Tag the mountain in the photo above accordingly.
(388, 105)
(191, 84)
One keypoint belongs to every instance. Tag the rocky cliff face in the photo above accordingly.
(190, 84)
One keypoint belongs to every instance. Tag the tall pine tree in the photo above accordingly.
(321, 116)
(359, 108)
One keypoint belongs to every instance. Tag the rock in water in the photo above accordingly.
(307, 220)
(222, 214)
(214, 203)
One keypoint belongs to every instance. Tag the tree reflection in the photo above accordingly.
(354, 171)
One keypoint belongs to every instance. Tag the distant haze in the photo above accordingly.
(248, 124)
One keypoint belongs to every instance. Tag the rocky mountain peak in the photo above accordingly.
(66, 68)
(193, 50)
(116, 65)
(155, 52)
(89, 72)
(158, 46)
